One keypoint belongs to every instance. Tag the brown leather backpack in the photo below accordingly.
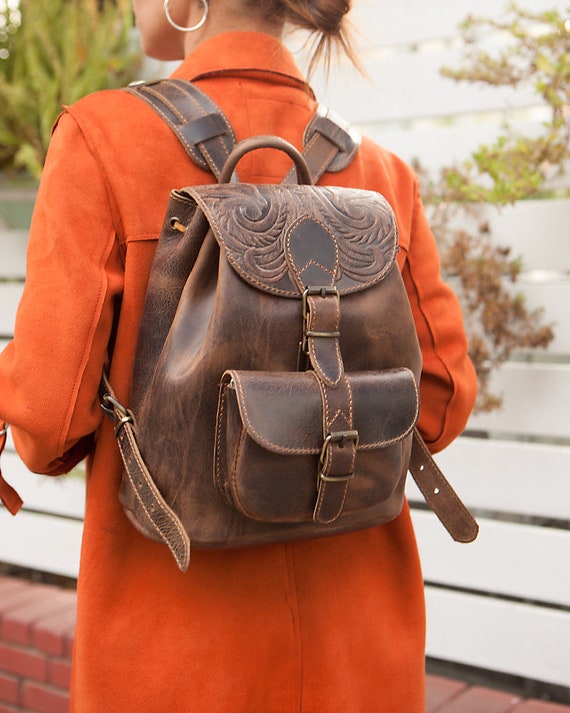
(275, 387)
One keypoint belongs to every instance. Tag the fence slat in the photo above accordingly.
(449, 140)
(536, 229)
(63, 495)
(535, 401)
(512, 559)
(10, 293)
(520, 639)
(13, 245)
(40, 542)
(553, 298)
(410, 21)
(510, 477)
(404, 86)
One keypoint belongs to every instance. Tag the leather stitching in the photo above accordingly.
(257, 436)
(323, 485)
(183, 558)
(313, 349)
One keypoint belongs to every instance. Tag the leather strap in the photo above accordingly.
(439, 494)
(160, 517)
(338, 456)
(199, 124)
(207, 135)
(329, 143)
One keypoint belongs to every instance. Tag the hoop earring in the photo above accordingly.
(197, 26)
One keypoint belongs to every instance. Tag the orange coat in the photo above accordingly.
(323, 626)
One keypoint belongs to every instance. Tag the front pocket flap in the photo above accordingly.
(282, 411)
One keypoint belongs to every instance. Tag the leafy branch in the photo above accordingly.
(537, 56)
(58, 52)
(511, 168)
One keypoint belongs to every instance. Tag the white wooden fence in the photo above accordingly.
(503, 603)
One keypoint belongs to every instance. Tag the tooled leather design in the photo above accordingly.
(252, 222)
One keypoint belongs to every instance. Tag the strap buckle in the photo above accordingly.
(340, 437)
(119, 414)
(325, 291)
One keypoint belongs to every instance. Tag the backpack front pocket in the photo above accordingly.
(270, 444)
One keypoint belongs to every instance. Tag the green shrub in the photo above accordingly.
(52, 52)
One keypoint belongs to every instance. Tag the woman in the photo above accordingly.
(321, 626)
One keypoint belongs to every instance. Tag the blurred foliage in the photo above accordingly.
(534, 52)
(536, 55)
(484, 276)
(53, 52)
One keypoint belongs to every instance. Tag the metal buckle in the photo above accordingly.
(324, 291)
(343, 124)
(119, 413)
(336, 437)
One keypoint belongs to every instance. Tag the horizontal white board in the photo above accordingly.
(535, 401)
(13, 245)
(492, 634)
(510, 477)
(537, 230)
(409, 85)
(10, 293)
(448, 141)
(519, 561)
(41, 542)
(553, 298)
(409, 21)
(62, 495)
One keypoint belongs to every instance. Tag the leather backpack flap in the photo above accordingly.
(270, 447)
(281, 239)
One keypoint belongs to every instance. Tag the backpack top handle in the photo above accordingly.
(266, 142)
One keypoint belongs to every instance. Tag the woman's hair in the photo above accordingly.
(324, 19)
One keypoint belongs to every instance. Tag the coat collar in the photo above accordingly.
(242, 54)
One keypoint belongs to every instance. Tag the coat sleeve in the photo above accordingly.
(50, 371)
(448, 384)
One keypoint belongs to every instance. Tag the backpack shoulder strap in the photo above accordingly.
(197, 121)
(203, 129)
(329, 142)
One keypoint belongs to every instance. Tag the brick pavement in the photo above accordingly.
(37, 623)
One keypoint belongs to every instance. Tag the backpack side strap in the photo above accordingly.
(439, 494)
(329, 142)
(199, 124)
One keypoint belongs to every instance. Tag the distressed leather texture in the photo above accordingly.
(274, 393)
(270, 435)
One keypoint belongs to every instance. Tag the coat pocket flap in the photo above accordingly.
(283, 412)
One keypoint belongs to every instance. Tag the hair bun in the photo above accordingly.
(327, 15)
(324, 19)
